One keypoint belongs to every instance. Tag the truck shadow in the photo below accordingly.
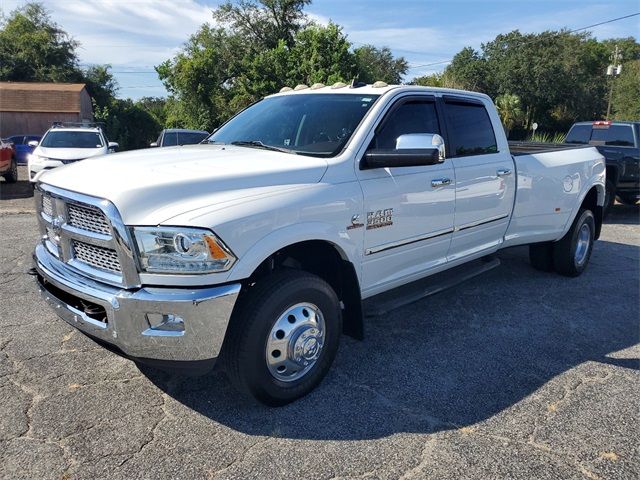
(451, 360)
(13, 191)
(623, 215)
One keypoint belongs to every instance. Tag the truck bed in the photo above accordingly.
(526, 148)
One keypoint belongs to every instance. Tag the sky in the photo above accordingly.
(135, 35)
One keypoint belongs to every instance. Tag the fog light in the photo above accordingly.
(164, 325)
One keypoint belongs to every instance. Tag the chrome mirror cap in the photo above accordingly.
(422, 141)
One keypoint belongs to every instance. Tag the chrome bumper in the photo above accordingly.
(128, 321)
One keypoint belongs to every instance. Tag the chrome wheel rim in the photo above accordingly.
(295, 342)
(582, 246)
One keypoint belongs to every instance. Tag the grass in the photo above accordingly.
(547, 137)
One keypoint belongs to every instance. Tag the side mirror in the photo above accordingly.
(153, 144)
(113, 145)
(412, 150)
(33, 143)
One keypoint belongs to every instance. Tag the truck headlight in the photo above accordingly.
(181, 250)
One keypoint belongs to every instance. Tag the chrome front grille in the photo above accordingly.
(47, 205)
(87, 234)
(87, 218)
(97, 257)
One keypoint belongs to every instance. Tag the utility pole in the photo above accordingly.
(613, 70)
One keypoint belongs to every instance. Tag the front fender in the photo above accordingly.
(348, 245)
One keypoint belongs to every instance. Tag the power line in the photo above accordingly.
(537, 39)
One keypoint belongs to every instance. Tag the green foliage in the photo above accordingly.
(100, 84)
(546, 137)
(558, 76)
(257, 48)
(375, 64)
(626, 93)
(34, 48)
(127, 123)
(508, 106)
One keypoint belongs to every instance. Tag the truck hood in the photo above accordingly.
(151, 186)
(68, 153)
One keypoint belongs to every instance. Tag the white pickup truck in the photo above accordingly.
(260, 246)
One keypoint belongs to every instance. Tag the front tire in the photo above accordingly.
(571, 254)
(12, 174)
(284, 337)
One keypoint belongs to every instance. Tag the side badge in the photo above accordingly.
(355, 223)
(380, 218)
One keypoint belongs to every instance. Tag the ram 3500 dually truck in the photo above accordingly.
(260, 245)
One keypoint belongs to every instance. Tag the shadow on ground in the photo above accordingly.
(454, 359)
(13, 191)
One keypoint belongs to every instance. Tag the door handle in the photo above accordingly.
(440, 182)
(503, 172)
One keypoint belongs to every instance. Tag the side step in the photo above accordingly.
(398, 297)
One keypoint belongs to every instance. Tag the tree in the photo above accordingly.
(626, 93)
(264, 23)
(558, 75)
(101, 84)
(34, 48)
(127, 123)
(508, 106)
(373, 64)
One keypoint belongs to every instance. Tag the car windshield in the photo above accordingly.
(183, 138)
(71, 139)
(317, 124)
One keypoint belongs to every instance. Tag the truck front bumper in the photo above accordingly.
(164, 324)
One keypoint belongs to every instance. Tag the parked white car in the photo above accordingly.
(260, 246)
(63, 145)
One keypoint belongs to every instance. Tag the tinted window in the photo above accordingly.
(170, 139)
(309, 123)
(618, 135)
(579, 134)
(470, 129)
(190, 138)
(415, 116)
(33, 138)
(70, 139)
(16, 139)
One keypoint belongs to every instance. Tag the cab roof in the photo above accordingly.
(372, 89)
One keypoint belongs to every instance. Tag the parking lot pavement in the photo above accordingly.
(514, 374)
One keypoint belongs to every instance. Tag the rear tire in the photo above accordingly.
(627, 199)
(12, 174)
(571, 254)
(541, 256)
(609, 197)
(272, 335)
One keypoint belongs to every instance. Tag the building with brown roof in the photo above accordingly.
(31, 108)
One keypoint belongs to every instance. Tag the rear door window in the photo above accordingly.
(614, 135)
(469, 127)
(579, 134)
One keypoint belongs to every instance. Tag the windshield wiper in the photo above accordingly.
(259, 144)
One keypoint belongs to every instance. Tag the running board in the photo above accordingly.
(385, 302)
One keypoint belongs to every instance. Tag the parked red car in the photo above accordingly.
(8, 163)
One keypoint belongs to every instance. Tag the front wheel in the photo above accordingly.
(284, 337)
(12, 174)
(571, 254)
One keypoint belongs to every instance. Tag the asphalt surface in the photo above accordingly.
(514, 374)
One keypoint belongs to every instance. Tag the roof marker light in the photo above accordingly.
(302, 86)
(285, 89)
(380, 84)
(338, 85)
(316, 86)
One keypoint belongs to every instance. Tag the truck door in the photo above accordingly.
(408, 210)
(485, 178)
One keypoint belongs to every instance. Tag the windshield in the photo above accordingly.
(71, 139)
(183, 138)
(309, 124)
